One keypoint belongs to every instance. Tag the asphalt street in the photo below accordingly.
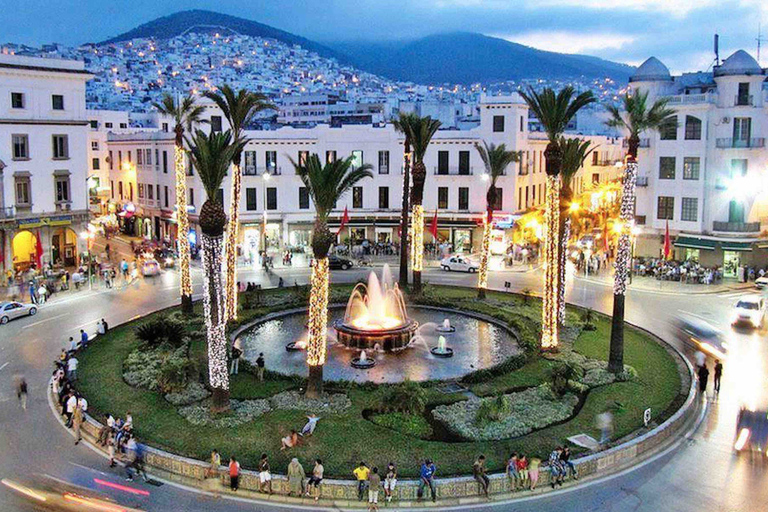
(701, 475)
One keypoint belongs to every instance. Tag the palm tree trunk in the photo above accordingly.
(565, 234)
(623, 255)
(182, 219)
(231, 245)
(549, 329)
(404, 217)
(318, 326)
(215, 319)
(485, 255)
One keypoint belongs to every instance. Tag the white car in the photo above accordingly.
(749, 310)
(459, 263)
(761, 282)
(11, 310)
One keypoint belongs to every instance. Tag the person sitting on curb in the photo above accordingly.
(361, 473)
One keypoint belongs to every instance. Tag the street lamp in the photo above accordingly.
(266, 177)
(635, 231)
(88, 236)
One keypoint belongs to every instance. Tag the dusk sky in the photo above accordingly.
(679, 32)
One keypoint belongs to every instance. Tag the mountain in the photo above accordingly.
(209, 21)
(466, 58)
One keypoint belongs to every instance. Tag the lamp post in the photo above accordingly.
(265, 176)
(88, 236)
(635, 232)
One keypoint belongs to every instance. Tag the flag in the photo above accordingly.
(433, 227)
(667, 244)
(39, 252)
(344, 221)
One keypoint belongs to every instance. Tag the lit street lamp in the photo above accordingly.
(88, 236)
(265, 176)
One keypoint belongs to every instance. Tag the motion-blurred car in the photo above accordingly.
(702, 336)
(761, 282)
(150, 267)
(58, 496)
(459, 264)
(337, 262)
(751, 431)
(11, 310)
(749, 310)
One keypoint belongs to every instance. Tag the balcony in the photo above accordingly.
(691, 99)
(755, 142)
(642, 181)
(252, 170)
(743, 100)
(736, 227)
(452, 171)
(604, 163)
(644, 143)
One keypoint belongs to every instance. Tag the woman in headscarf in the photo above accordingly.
(295, 478)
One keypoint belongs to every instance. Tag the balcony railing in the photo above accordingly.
(688, 99)
(755, 142)
(383, 169)
(252, 170)
(453, 171)
(642, 181)
(644, 143)
(736, 227)
(743, 100)
(604, 163)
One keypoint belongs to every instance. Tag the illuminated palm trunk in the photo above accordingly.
(231, 245)
(215, 320)
(565, 235)
(485, 255)
(417, 244)
(549, 328)
(182, 219)
(317, 325)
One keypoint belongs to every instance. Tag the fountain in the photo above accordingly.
(441, 350)
(376, 315)
(296, 346)
(445, 327)
(362, 362)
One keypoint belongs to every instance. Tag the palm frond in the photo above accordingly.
(575, 152)
(418, 131)
(211, 155)
(327, 183)
(555, 111)
(636, 117)
(496, 159)
(239, 107)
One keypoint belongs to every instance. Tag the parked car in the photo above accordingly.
(149, 267)
(459, 264)
(11, 310)
(761, 282)
(749, 310)
(336, 262)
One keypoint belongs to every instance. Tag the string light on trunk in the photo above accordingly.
(624, 244)
(214, 299)
(549, 331)
(231, 245)
(318, 313)
(417, 238)
(482, 276)
(183, 220)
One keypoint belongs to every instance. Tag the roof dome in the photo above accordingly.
(650, 71)
(740, 63)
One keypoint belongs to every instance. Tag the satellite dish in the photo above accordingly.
(726, 120)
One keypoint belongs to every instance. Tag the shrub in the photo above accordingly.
(493, 410)
(509, 365)
(589, 320)
(408, 397)
(527, 294)
(161, 330)
(560, 375)
(408, 424)
(174, 374)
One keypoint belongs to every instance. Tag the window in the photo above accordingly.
(271, 161)
(94, 145)
(191, 198)
(165, 162)
(120, 190)
(690, 209)
(60, 147)
(215, 123)
(23, 191)
(130, 191)
(95, 164)
(692, 128)
(383, 162)
(735, 211)
(743, 96)
(140, 157)
(17, 100)
(691, 167)
(667, 168)
(141, 190)
(250, 199)
(742, 131)
(499, 203)
(157, 189)
(303, 157)
(595, 178)
(330, 157)
(157, 158)
(522, 124)
(303, 198)
(666, 208)
(384, 198)
(271, 198)
(463, 198)
(190, 167)
(110, 161)
(112, 188)
(62, 186)
(442, 162)
(150, 192)
(20, 143)
(357, 159)
(739, 167)
(165, 195)
(595, 156)
(498, 124)
(165, 127)
(357, 197)
(668, 129)
(442, 197)
(107, 125)
(57, 102)
(123, 126)
(148, 157)
(464, 162)
(220, 196)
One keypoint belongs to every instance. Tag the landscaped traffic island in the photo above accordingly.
(155, 367)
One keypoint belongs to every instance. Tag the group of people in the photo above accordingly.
(702, 372)
(690, 272)
(370, 482)
(522, 472)
(117, 436)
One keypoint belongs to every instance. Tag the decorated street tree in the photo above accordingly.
(401, 124)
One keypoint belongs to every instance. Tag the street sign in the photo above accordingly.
(647, 416)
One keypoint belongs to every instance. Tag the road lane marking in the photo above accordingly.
(4, 365)
(43, 321)
(89, 469)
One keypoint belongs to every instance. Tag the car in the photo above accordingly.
(11, 310)
(336, 262)
(761, 282)
(458, 263)
(751, 430)
(702, 336)
(150, 267)
(749, 310)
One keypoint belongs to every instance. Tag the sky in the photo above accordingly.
(679, 32)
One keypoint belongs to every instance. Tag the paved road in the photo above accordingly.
(700, 476)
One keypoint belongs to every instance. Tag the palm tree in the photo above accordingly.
(185, 115)
(326, 185)
(554, 112)
(239, 108)
(211, 155)
(575, 151)
(419, 132)
(496, 160)
(401, 125)
(635, 117)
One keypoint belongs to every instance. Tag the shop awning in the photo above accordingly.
(691, 242)
(736, 246)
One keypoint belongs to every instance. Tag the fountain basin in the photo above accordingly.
(362, 364)
(295, 346)
(389, 340)
(441, 351)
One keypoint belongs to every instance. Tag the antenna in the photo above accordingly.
(717, 49)
(760, 40)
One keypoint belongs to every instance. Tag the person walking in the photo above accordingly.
(703, 379)
(427, 478)
(478, 472)
(108, 250)
(315, 480)
(374, 483)
(32, 292)
(260, 366)
(265, 476)
(234, 366)
(718, 374)
(295, 478)
(41, 293)
(234, 473)
(390, 481)
(135, 460)
(361, 473)
(21, 392)
(77, 422)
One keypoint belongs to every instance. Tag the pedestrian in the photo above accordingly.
(478, 472)
(111, 450)
(701, 359)
(374, 483)
(215, 463)
(234, 366)
(290, 440)
(361, 473)
(703, 379)
(565, 459)
(522, 470)
(260, 366)
(108, 249)
(512, 473)
(77, 422)
(265, 477)
(295, 478)
(21, 392)
(72, 345)
(106, 429)
(100, 328)
(390, 481)
(234, 473)
(135, 457)
(533, 472)
(83, 339)
(41, 292)
(124, 269)
(32, 292)
(316, 479)
(604, 422)
(427, 478)
(105, 326)
(72, 369)
(718, 374)
(556, 470)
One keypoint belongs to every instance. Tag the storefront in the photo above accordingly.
(728, 254)
(37, 241)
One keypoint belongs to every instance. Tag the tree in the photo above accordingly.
(635, 118)
(575, 151)
(496, 160)
(239, 108)
(419, 132)
(211, 155)
(185, 114)
(554, 112)
(326, 184)
(401, 124)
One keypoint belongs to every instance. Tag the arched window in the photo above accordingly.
(692, 128)
(668, 129)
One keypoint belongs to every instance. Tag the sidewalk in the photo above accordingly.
(652, 284)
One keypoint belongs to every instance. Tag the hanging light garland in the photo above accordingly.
(183, 220)
(624, 245)
(318, 313)
(549, 334)
(482, 276)
(231, 246)
(213, 306)
(417, 238)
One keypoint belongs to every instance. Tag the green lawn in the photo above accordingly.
(343, 440)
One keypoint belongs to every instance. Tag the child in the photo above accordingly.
(234, 474)
(390, 481)
(512, 472)
(522, 470)
(374, 482)
(533, 472)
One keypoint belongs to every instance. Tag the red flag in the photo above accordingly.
(344, 221)
(667, 244)
(433, 227)
(39, 252)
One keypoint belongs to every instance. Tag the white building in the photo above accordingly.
(705, 172)
(43, 160)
